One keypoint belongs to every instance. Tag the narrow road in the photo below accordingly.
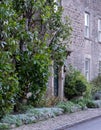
(94, 124)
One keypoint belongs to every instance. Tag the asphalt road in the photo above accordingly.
(94, 124)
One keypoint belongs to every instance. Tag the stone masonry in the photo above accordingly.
(84, 47)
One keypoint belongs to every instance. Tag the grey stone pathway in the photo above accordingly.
(63, 120)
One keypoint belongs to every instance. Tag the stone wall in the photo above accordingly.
(82, 47)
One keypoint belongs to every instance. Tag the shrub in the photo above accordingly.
(75, 84)
(21, 108)
(69, 106)
(4, 126)
(97, 103)
(96, 84)
(8, 83)
(33, 73)
(97, 95)
(37, 45)
(32, 115)
(81, 102)
(48, 101)
(87, 103)
(91, 104)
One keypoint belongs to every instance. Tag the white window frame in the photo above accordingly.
(87, 24)
(100, 67)
(99, 30)
(87, 68)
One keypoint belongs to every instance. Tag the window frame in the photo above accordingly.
(87, 69)
(99, 29)
(100, 67)
(87, 25)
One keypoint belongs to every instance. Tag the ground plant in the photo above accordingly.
(75, 84)
(96, 83)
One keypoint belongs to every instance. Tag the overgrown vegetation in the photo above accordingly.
(48, 101)
(96, 88)
(69, 106)
(32, 115)
(8, 76)
(31, 33)
(31, 37)
(96, 83)
(75, 84)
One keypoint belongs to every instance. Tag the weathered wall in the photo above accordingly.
(82, 47)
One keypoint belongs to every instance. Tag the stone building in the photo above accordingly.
(85, 17)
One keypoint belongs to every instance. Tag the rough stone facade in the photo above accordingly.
(84, 47)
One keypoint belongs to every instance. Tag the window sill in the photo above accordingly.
(99, 42)
(87, 38)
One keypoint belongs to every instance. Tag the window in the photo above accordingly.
(86, 25)
(99, 67)
(99, 30)
(87, 68)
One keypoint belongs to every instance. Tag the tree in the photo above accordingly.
(8, 76)
(40, 36)
(35, 33)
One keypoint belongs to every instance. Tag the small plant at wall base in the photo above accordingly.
(75, 84)
(96, 88)
(96, 83)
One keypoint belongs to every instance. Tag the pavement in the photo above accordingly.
(94, 124)
(63, 121)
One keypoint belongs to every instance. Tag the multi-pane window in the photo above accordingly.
(99, 30)
(87, 25)
(87, 68)
(99, 67)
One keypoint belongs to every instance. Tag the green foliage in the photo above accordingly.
(12, 119)
(68, 106)
(33, 75)
(86, 103)
(75, 84)
(32, 115)
(8, 83)
(96, 84)
(97, 103)
(97, 95)
(65, 106)
(8, 76)
(91, 104)
(40, 34)
(22, 108)
(4, 126)
(31, 37)
(81, 102)
(48, 101)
